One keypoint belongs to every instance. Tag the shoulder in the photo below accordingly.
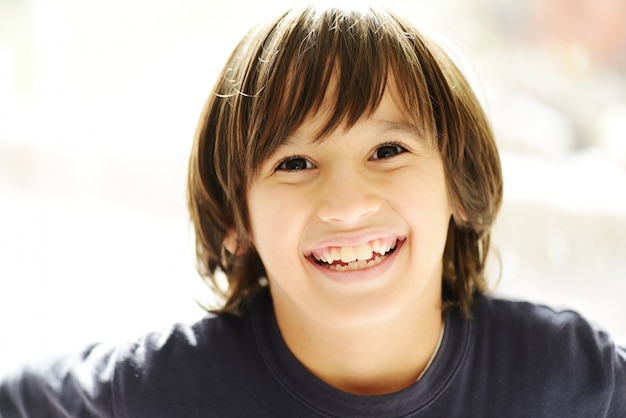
(539, 329)
(177, 348)
(209, 335)
(540, 324)
(550, 352)
(176, 364)
(159, 374)
(202, 369)
(499, 312)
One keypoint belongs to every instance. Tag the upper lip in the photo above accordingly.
(352, 240)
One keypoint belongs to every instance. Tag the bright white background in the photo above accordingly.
(98, 105)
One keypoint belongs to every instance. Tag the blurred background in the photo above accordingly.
(98, 106)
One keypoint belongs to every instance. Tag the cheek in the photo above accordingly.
(276, 222)
(425, 205)
(424, 195)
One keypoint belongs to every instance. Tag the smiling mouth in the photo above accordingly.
(355, 258)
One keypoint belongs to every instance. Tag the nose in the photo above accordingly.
(348, 196)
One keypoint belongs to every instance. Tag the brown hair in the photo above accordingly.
(278, 74)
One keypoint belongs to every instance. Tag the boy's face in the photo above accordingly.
(351, 229)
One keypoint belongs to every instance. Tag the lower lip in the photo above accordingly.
(363, 275)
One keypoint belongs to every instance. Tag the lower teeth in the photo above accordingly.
(355, 265)
(358, 264)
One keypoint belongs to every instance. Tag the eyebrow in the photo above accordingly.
(387, 125)
(404, 128)
(380, 125)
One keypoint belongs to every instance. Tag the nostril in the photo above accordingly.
(348, 209)
(348, 193)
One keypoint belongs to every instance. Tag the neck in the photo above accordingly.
(370, 359)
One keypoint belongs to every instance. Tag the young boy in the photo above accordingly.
(344, 179)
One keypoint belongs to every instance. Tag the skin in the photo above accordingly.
(371, 330)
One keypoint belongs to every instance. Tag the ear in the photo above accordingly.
(461, 212)
(230, 243)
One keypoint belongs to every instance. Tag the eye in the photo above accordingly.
(295, 164)
(385, 151)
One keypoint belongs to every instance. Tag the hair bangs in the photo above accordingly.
(333, 63)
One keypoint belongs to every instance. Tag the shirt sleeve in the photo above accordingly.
(72, 386)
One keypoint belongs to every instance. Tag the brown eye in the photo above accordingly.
(295, 164)
(387, 151)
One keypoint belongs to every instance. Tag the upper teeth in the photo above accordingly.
(361, 252)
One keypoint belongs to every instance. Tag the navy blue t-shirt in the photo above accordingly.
(513, 359)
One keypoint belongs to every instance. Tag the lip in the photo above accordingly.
(366, 274)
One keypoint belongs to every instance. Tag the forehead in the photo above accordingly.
(387, 117)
